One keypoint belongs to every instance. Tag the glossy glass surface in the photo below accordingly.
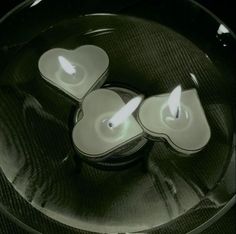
(153, 47)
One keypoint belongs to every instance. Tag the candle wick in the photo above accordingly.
(110, 125)
(177, 113)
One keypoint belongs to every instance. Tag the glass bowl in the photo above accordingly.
(153, 46)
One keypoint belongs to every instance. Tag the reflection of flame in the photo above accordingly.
(174, 101)
(36, 2)
(194, 79)
(222, 29)
(127, 110)
(66, 65)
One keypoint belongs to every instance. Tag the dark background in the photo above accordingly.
(225, 10)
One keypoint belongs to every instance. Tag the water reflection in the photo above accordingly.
(35, 145)
(222, 29)
(99, 32)
(222, 34)
(194, 79)
(36, 2)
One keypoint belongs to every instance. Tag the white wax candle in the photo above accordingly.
(93, 136)
(187, 133)
(75, 72)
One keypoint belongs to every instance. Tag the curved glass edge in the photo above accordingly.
(16, 9)
(213, 16)
(17, 221)
(224, 202)
(214, 218)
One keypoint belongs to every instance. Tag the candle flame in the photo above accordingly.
(127, 110)
(66, 65)
(174, 101)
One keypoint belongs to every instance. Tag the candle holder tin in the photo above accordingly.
(75, 72)
(124, 154)
(188, 133)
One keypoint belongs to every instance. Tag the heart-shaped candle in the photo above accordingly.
(75, 72)
(94, 136)
(182, 123)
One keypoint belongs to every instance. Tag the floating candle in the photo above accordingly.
(75, 72)
(107, 125)
(177, 117)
